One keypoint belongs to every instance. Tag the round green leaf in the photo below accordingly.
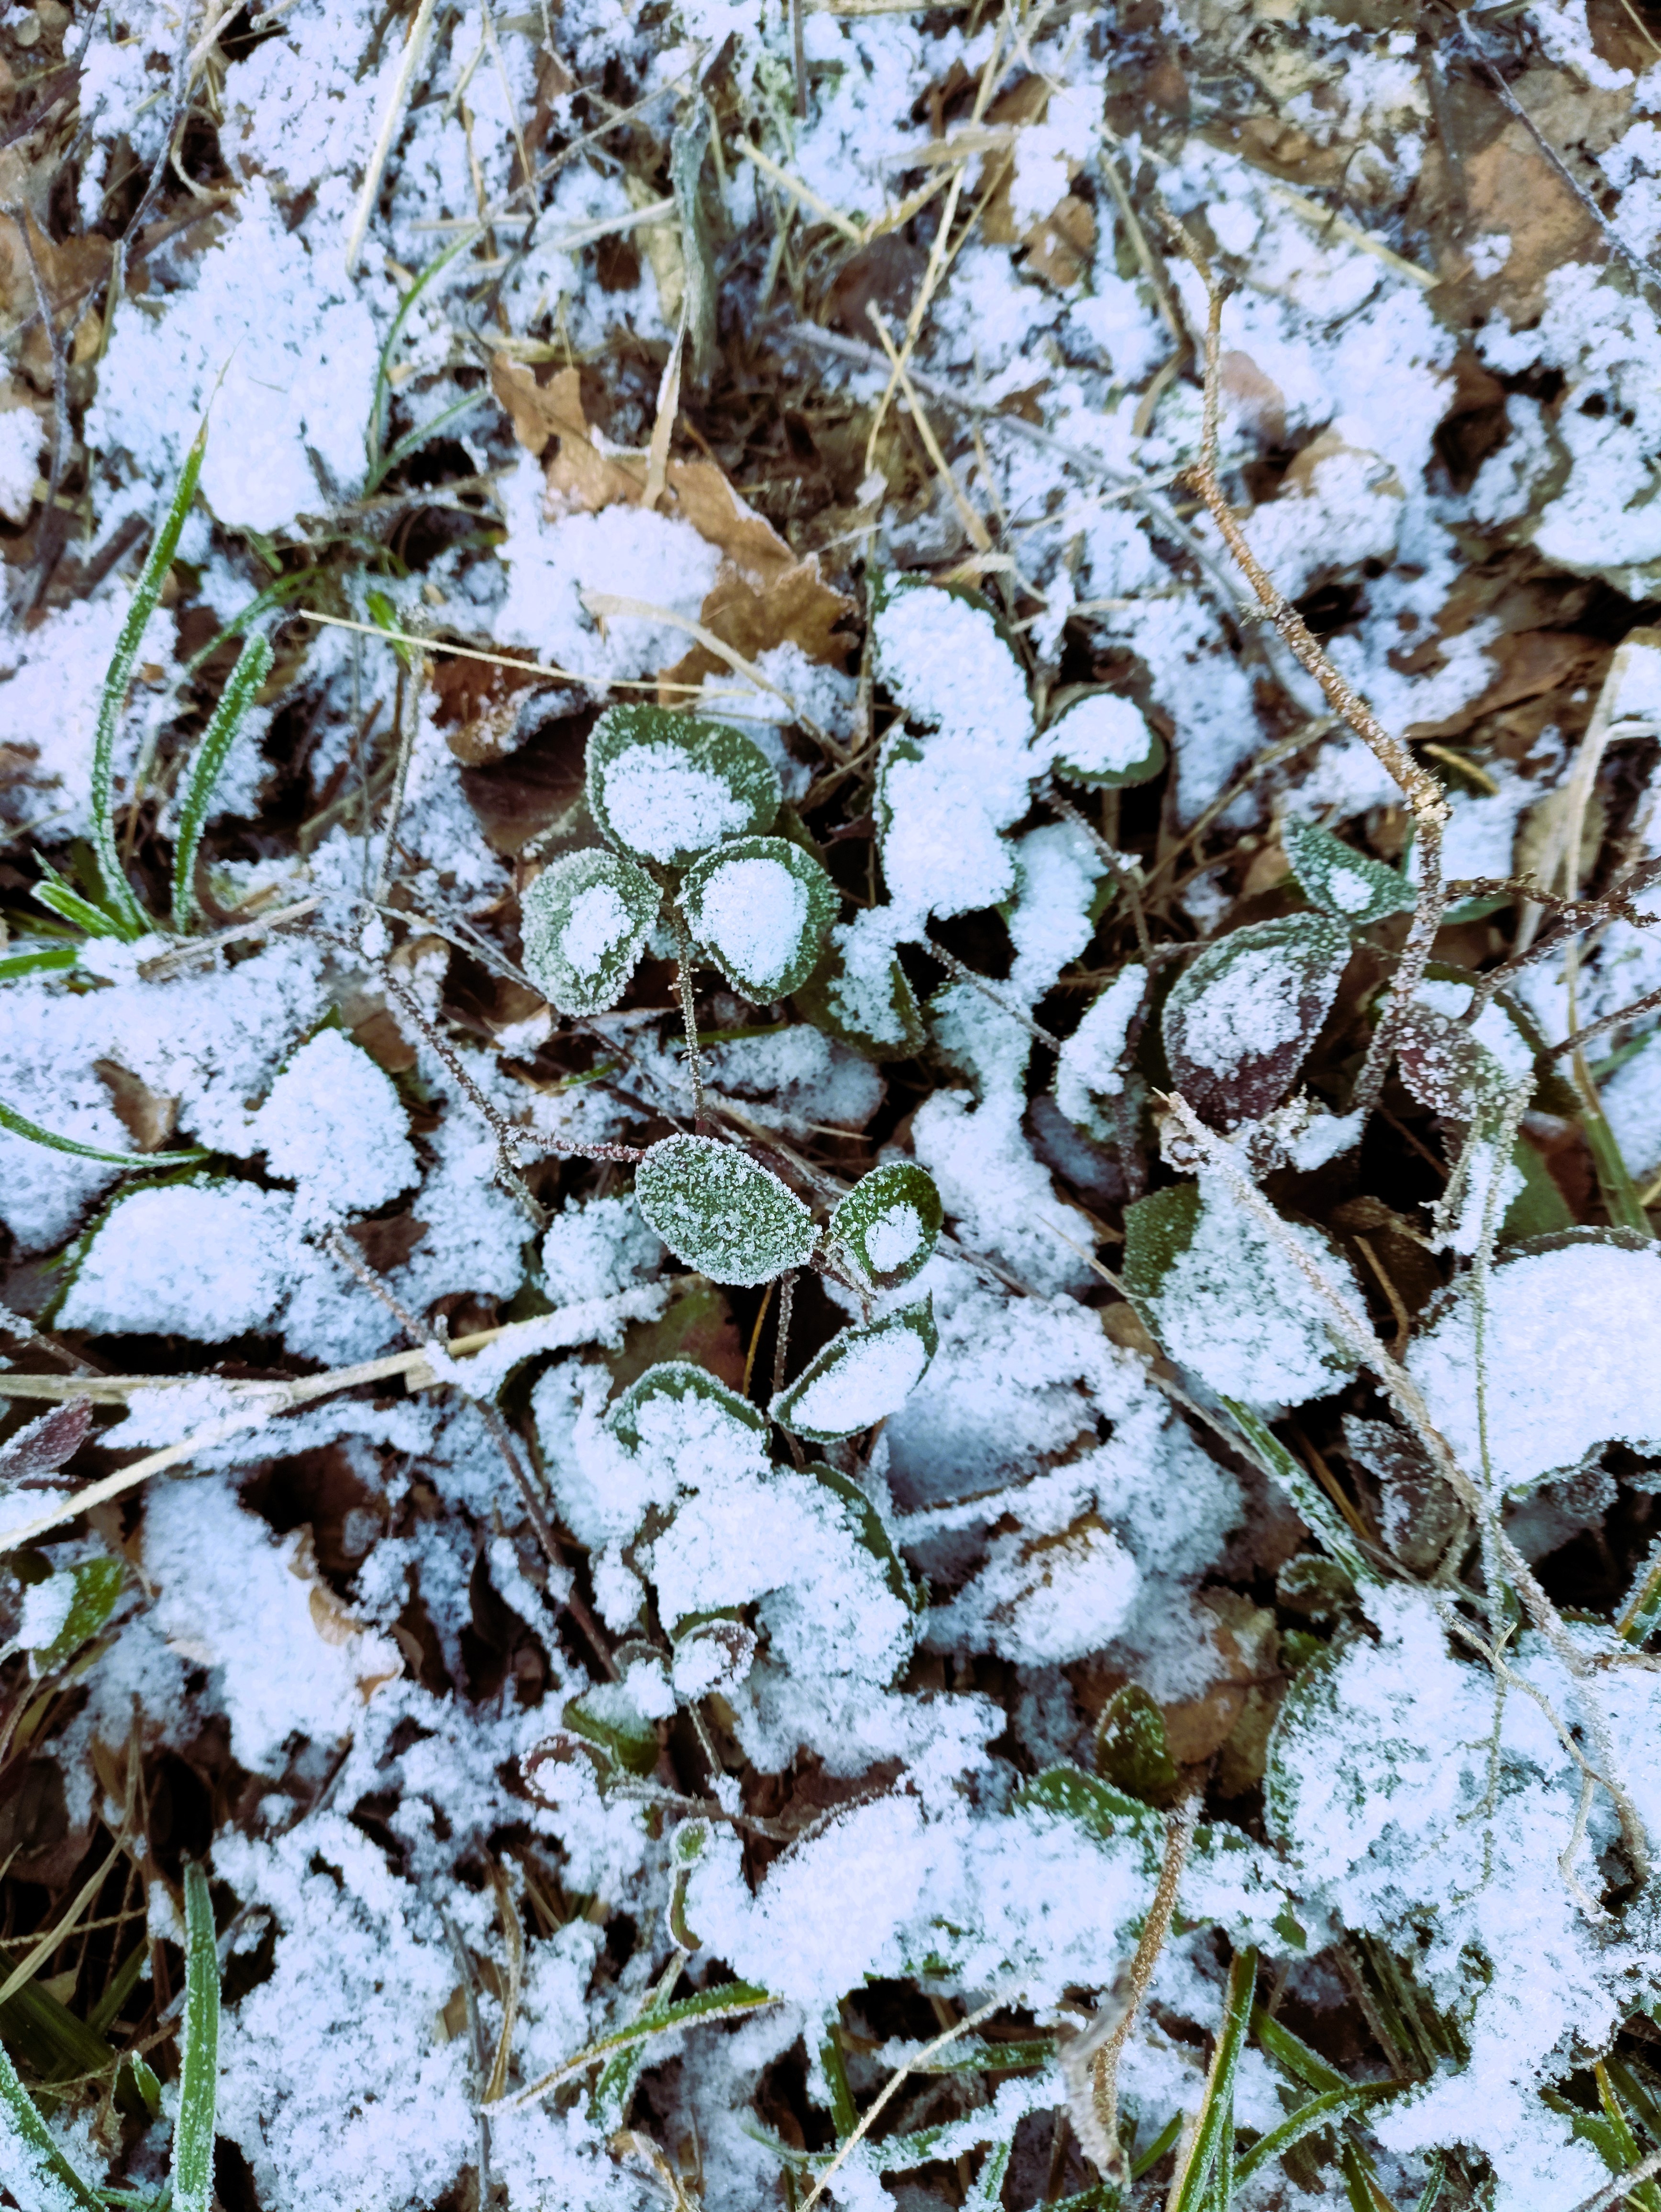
(1351, 886)
(665, 787)
(889, 1222)
(1103, 741)
(585, 921)
(862, 1376)
(722, 1213)
(760, 908)
(676, 1380)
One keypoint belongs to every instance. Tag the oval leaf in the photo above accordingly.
(866, 1003)
(608, 1718)
(760, 908)
(1105, 742)
(722, 1213)
(1239, 1022)
(869, 1533)
(1351, 887)
(585, 920)
(666, 787)
(888, 1222)
(862, 1376)
(676, 1381)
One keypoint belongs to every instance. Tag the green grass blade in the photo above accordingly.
(844, 2113)
(1432, 2188)
(1209, 2155)
(987, 2194)
(1320, 2111)
(412, 441)
(1310, 1502)
(383, 367)
(198, 2070)
(274, 595)
(31, 2164)
(59, 897)
(124, 909)
(253, 665)
(20, 1126)
(36, 960)
(1157, 2149)
(1293, 2056)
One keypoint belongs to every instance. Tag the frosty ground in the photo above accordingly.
(1109, 1666)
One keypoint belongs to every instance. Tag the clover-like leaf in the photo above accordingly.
(862, 1377)
(1105, 742)
(665, 787)
(712, 1652)
(860, 995)
(722, 1213)
(630, 1415)
(1351, 886)
(1239, 1022)
(760, 907)
(869, 1533)
(888, 1222)
(585, 921)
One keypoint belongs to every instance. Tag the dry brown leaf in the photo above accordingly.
(67, 272)
(1258, 400)
(149, 1118)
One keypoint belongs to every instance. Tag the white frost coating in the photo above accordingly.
(590, 1251)
(1089, 1067)
(1101, 735)
(597, 923)
(22, 438)
(1348, 890)
(1573, 1357)
(204, 1263)
(660, 803)
(1045, 1600)
(1237, 1308)
(1251, 1006)
(335, 1125)
(753, 913)
(868, 1381)
(893, 1236)
(46, 1612)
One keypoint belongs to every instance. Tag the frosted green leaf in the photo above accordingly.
(199, 2066)
(607, 1715)
(1104, 742)
(866, 1003)
(1240, 1021)
(889, 1222)
(665, 787)
(862, 1376)
(722, 1213)
(585, 921)
(1131, 1748)
(1351, 887)
(869, 1533)
(1229, 1302)
(760, 907)
(677, 1380)
(93, 1591)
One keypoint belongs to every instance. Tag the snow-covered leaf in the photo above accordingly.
(866, 1004)
(585, 921)
(889, 1222)
(1131, 1748)
(68, 1610)
(1105, 742)
(761, 907)
(866, 1523)
(664, 786)
(1447, 1067)
(675, 1381)
(862, 1377)
(722, 1213)
(1569, 1358)
(1091, 1070)
(1229, 1302)
(607, 1716)
(46, 1443)
(712, 1652)
(1351, 887)
(1240, 1020)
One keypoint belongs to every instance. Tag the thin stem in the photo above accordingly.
(690, 1021)
(1124, 881)
(409, 720)
(955, 967)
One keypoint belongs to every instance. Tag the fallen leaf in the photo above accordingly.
(149, 1117)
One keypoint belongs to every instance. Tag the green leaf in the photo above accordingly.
(253, 665)
(869, 1532)
(878, 1018)
(1214, 2139)
(1131, 1749)
(96, 1590)
(1293, 2056)
(434, 268)
(20, 1126)
(1353, 887)
(1304, 1495)
(59, 897)
(631, 1415)
(664, 787)
(585, 920)
(199, 2064)
(1540, 1208)
(608, 1717)
(36, 960)
(1105, 742)
(722, 1213)
(1096, 1807)
(1239, 1022)
(1320, 2111)
(889, 1222)
(33, 2166)
(129, 916)
(760, 907)
(862, 1377)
